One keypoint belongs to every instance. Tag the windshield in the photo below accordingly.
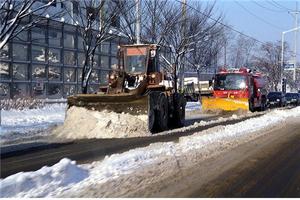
(230, 82)
(136, 60)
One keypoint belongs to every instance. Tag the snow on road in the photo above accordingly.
(97, 174)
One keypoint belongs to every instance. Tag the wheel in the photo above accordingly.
(263, 105)
(152, 126)
(179, 112)
(151, 120)
(251, 105)
(162, 114)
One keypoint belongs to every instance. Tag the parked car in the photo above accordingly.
(276, 99)
(292, 99)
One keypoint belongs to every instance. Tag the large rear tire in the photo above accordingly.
(162, 114)
(179, 112)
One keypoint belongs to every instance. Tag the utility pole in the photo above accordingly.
(138, 21)
(295, 14)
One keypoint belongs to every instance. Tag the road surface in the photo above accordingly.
(266, 167)
(16, 159)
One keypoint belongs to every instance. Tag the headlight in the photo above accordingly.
(153, 76)
(277, 99)
(112, 77)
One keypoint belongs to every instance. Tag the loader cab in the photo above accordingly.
(140, 59)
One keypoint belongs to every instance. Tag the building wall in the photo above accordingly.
(46, 62)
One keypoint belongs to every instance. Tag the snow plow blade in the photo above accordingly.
(226, 104)
(118, 103)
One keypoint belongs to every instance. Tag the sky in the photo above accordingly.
(264, 20)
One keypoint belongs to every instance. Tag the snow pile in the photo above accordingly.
(198, 146)
(191, 106)
(44, 180)
(82, 123)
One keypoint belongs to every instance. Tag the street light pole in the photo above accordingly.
(282, 49)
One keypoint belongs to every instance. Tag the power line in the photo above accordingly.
(262, 6)
(224, 25)
(277, 27)
(280, 6)
(217, 21)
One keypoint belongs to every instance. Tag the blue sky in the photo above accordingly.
(270, 20)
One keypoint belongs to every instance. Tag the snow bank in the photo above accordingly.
(82, 123)
(43, 181)
(41, 184)
(29, 122)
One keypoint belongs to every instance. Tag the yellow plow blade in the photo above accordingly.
(226, 104)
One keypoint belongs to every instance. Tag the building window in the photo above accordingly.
(80, 43)
(4, 71)
(94, 78)
(114, 48)
(54, 55)
(38, 35)
(20, 52)
(69, 41)
(54, 73)
(39, 89)
(69, 90)
(69, 75)
(114, 63)
(4, 53)
(38, 72)
(54, 91)
(96, 61)
(22, 36)
(105, 47)
(81, 59)
(105, 62)
(38, 53)
(20, 71)
(20, 90)
(79, 75)
(55, 38)
(69, 58)
(104, 77)
(4, 90)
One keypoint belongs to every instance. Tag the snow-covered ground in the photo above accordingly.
(68, 179)
(30, 122)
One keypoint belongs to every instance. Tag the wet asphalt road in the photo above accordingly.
(273, 171)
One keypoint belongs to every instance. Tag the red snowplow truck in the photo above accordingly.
(236, 89)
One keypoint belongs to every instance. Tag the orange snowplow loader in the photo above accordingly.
(226, 104)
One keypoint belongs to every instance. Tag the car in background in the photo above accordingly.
(292, 99)
(276, 99)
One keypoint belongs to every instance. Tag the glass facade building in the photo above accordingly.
(47, 61)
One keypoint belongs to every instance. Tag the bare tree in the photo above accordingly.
(268, 62)
(241, 51)
(14, 12)
(96, 21)
(185, 40)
